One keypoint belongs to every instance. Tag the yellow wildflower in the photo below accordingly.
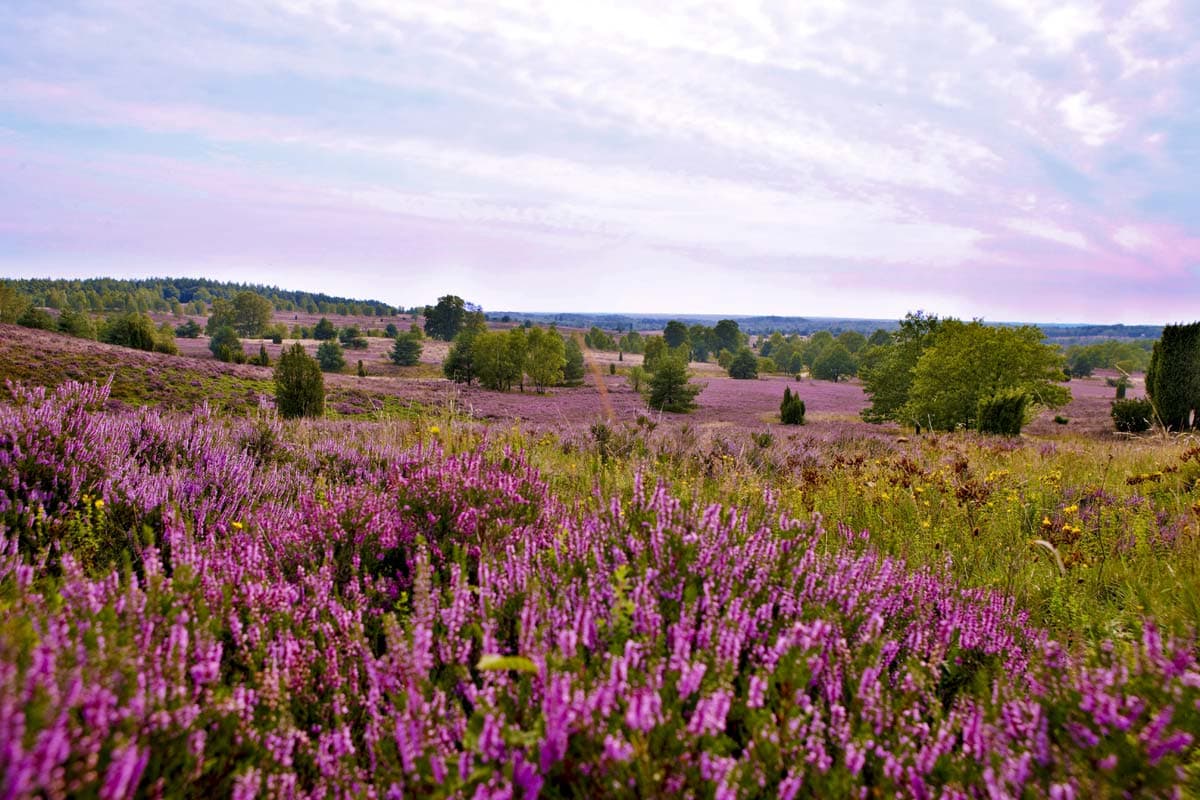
(99, 504)
(237, 526)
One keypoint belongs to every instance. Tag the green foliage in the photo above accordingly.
(815, 345)
(791, 410)
(38, 318)
(459, 365)
(654, 350)
(324, 330)
(12, 302)
(130, 330)
(352, 338)
(362, 371)
(263, 359)
(597, 339)
(675, 334)
(330, 356)
(499, 358)
(834, 363)
(188, 330)
(1003, 413)
(1132, 416)
(251, 313)
(545, 358)
(76, 323)
(852, 340)
(391, 331)
(726, 335)
(636, 377)
(879, 338)
(225, 345)
(970, 362)
(445, 320)
(887, 370)
(700, 339)
(744, 365)
(406, 351)
(299, 384)
(631, 342)
(1126, 356)
(573, 368)
(669, 389)
(1173, 377)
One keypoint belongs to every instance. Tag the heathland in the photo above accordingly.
(440, 589)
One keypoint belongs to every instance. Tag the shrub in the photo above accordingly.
(1059, 419)
(743, 366)
(130, 330)
(1132, 416)
(573, 369)
(636, 377)
(226, 346)
(76, 323)
(669, 387)
(791, 410)
(35, 317)
(1003, 413)
(299, 385)
(188, 330)
(262, 359)
(362, 371)
(324, 330)
(352, 338)
(1173, 378)
(406, 352)
(329, 356)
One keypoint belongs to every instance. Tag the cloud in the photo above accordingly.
(824, 145)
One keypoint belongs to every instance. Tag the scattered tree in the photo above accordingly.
(834, 363)
(330, 356)
(744, 365)
(1173, 377)
(887, 371)
(38, 318)
(573, 369)
(406, 352)
(299, 385)
(445, 320)
(669, 387)
(545, 358)
(324, 330)
(675, 334)
(12, 303)
(188, 330)
(251, 313)
(352, 338)
(791, 410)
(225, 345)
(130, 330)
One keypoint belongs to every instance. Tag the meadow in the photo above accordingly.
(443, 591)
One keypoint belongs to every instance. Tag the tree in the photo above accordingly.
(815, 345)
(79, 324)
(299, 385)
(352, 338)
(391, 331)
(573, 369)
(130, 330)
(324, 330)
(330, 356)
(445, 320)
(459, 365)
(636, 377)
(791, 410)
(853, 341)
(744, 365)
(675, 334)
(834, 362)
(631, 342)
(972, 362)
(406, 352)
(700, 338)
(545, 358)
(498, 361)
(251, 313)
(669, 386)
(887, 371)
(225, 345)
(726, 336)
(221, 315)
(12, 302)
(655, 349)
(879, 338)
(188, 330)
(39, 318)
(1173, 377)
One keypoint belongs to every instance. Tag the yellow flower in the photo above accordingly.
(99, 504)
(434, 430)
(237, 526)
(1046, 523)
(1071, 509)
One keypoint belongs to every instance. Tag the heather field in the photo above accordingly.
(451, 592)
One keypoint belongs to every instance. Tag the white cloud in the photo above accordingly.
(1094, 121)
(1048, 230)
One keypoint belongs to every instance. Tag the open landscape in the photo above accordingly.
(508, 400)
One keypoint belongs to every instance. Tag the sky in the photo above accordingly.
(1006, 159)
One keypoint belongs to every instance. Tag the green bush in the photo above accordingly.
(1132, 416)
(791, 410)
(226, 346)
(188, 330)
(1003, 413)
(743, 366)
(299, 385)
(329, 356)
(406, 352)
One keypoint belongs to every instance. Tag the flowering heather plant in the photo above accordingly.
(301, 611)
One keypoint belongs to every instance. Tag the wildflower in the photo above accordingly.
(434, 429)
(237, 526)
(1071, 509)
(99, 503)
